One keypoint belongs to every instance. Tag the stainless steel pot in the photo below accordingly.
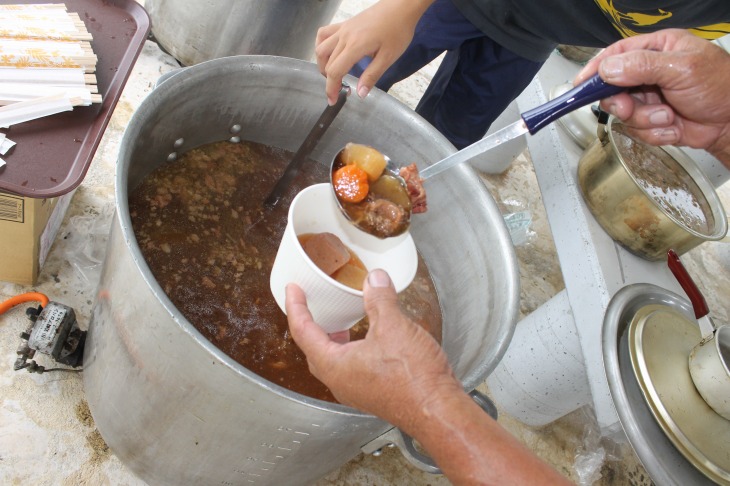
(194, 31)
(629, 214)
(176, 409)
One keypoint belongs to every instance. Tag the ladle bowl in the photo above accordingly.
(372, 215)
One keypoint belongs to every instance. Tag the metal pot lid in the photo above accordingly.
(661, 459)
(580, 124)
(660, 341)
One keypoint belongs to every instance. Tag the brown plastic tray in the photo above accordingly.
(53, 153)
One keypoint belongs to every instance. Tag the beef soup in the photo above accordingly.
(210, 243)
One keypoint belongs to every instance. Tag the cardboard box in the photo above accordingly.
(28, 227)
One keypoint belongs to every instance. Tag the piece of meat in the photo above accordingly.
(414, 185)
(326, 251)
(385, 217)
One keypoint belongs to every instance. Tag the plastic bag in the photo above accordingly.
(519, 221)
(596, 448)
(518, 225)
(85, 252)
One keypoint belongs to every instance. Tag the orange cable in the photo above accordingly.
(19, 299)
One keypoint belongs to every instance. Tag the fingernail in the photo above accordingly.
(667, 135)
(363, 91)
(379, 278)
(659, 117)
(612, 67)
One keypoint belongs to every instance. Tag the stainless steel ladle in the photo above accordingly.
(531, 121)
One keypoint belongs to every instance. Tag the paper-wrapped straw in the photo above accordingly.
(64, 48)
(15, 92)
(35, 6)
(55, 76)
(46, 60)
(52, 23)
(31, 110)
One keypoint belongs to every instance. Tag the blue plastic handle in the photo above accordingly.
(593, 89)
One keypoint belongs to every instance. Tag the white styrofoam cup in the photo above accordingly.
(334, 306)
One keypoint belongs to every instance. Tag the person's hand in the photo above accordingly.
(395, 370)
(682, 95)
(399, 373)
(382, 31)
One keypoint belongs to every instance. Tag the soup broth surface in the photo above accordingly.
(210, 244)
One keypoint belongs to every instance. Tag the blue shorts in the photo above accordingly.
(476, 81)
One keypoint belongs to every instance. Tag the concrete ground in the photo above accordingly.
(48, 437)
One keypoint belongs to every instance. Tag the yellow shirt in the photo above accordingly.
(639, 17)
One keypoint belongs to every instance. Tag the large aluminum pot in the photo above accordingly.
(176, 409)
(194, 31)
(621, 204)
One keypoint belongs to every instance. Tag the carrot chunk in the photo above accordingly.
(351, 183)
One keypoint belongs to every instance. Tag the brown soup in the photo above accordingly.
(334, 258)
(203, 230)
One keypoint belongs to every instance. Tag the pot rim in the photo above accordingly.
(720, 228)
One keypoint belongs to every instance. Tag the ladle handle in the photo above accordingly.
(594, 89)
(699, 304)
(319, 128)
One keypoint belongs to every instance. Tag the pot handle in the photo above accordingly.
(407, 445)
(699, 304)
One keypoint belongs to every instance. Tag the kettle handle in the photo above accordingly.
(407, 444)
